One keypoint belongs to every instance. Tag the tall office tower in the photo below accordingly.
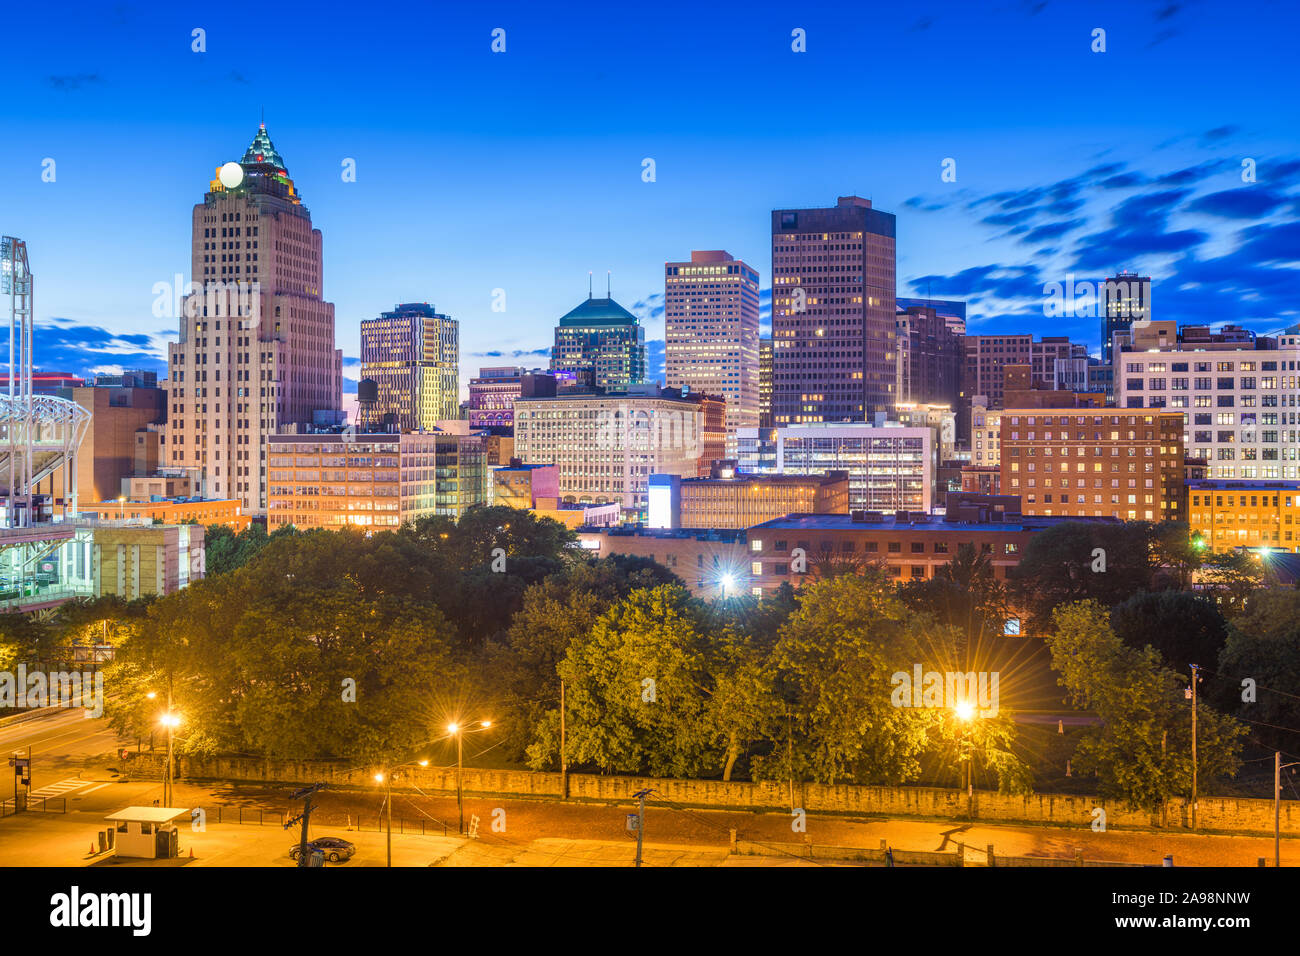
(711, 331)
(931, 358)
(1055, 361)
(765, 382)
(256, 351)
(600, 343)
(832, 313)
(1126, 298)
(952, 313)
(413, 355)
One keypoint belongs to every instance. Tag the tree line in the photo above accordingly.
(325, 644)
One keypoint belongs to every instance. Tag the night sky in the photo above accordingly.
(522, 170)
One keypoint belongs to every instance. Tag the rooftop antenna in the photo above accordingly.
(607, 271)
(589, 284)
(263, 117)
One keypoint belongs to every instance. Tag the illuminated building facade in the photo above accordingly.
(890, 467)
(1126, 298)
(1094, 462)
(256, 349)
(833, 313)
(711, 332)
(607, 445)
(1237, 395)
(765, 383)
(1245, 514)
(493, 392)
(375, 481)
(413, 356)
(600, 343)
(728, 499)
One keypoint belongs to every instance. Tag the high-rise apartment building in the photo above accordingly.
(931, 358)
(711, 333)
(256, 349)
(833, 313)
(1126, 298)
(413, 356)
(988, 355)
(1237, 394)
(1094, 462)
(600, 343)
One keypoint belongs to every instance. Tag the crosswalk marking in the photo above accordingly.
(60, 788)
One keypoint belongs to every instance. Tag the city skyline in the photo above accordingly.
(1048, 186)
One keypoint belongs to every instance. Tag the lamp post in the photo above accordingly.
(121, 508)
(459, 730)
(387, 779)
(151, 695)
(170, 721)
(965, 713)
(1278, 767)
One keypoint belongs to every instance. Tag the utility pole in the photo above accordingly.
(1278, 767)
(640, 822)
(460, 796)
(1195, 678)
(305, 796)
(564, 766)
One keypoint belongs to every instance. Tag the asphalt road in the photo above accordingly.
(72, 757)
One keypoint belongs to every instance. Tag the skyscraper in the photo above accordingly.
(600, 343)
(1126, 299)
(711, 332)
(256, 350)
(832, 313)
(413, 355)
(765, 382)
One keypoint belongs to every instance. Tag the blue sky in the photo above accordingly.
(522, 170)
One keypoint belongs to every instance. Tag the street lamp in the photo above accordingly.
(151, 695)
(1278, 767)
(387, 778)
(171, 721)
(459, 730)
(121, 508)
(965, 712)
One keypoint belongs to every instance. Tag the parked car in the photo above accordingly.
(335, 850)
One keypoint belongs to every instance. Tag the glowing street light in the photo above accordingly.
(171, 721)
(455, 728)
(964, 711)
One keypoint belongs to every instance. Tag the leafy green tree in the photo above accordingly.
(1141, 753)
(964, 594)
(1176, 552)
(638, 689)
(1232, 577)
(226, 550)
(1263, 647)
(832, 666)
(519, 667)
(1076, 561)
(1185, 628)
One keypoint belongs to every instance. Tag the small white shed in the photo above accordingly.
(146, 832)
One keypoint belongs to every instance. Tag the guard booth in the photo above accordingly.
(146, 833)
